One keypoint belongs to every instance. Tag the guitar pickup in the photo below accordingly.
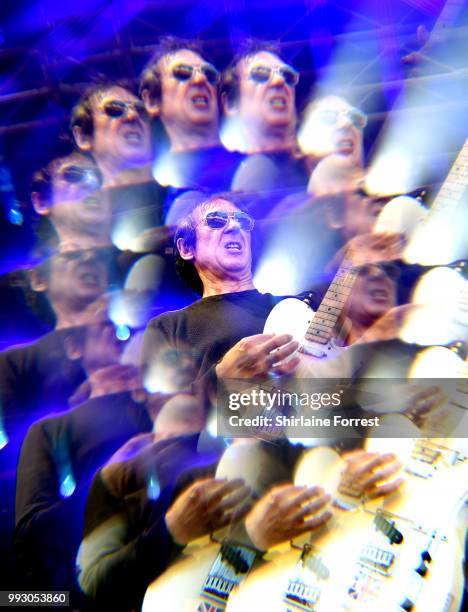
(302, 594)
(377, 558)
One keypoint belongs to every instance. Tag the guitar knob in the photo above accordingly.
(425, 556)
(422, 569)
(407, 604)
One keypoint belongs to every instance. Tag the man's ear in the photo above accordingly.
(152, 105)
(37, 280)
(83, 141)
(184, 251)
(229, 106)
(41, 206)
(73, 348)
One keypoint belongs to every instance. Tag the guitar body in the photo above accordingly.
(179, 587)
(356, 562)
(293, 316)
(202, 574)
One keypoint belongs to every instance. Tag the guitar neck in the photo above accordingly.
(453, 189)
(325, 320)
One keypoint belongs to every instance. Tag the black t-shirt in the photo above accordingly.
(211, 168)
(58, 460)
(208, 328)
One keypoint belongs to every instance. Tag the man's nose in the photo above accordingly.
(277, 78)
(233, 224)
(198, 76)
(131, 114)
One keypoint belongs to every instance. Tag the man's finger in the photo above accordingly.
(310, 508)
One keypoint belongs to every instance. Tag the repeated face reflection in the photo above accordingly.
(188, 90)
(78, 278)
(223, 252)
(266, 91)
(333, 126)
(360, 213)
(77, 200)
(121, 128)
(374, 292)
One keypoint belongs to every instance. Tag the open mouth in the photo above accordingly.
(278, 102)
(345, 146)
(379, 295)
(90, 277)
(133, 137)
(200, 101)
(92, 202)
(233, 246)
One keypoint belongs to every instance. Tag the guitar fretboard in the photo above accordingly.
(324, 322)
(453, 189)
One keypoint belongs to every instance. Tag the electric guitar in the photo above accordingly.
(401, 552)
(208, 569)
(315, 332)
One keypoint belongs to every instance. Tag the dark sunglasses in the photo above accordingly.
(353, 115)
(219, 219)
(79, 175)
(185, 72)
(117, 108)
(391, 270)
(262, 74)
(103, 255)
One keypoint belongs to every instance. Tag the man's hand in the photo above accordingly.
(257, 355)
(286, 512)
(207, 505)
(369, 474)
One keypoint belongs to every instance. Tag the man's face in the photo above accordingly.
(77, 200)
(225, 252)
(188, 90)
(333, 126)
(121, 128)
(374, 292)
(78, 278)
(265, 97)
(360, 213)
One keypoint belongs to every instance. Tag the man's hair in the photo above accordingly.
(82, 113)
(186, 230)
(150, 79)
(230, 77)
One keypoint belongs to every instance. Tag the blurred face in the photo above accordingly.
(188, 90)
(121, 128)
(374, 292)
(78, 278)
(267, 91)
(333, 126)
(77, 201)
(223, 252)
(360, 213)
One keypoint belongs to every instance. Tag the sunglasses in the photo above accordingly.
(102, 255)
(262, 74)
(185, 72)
(219, 219)
(391, 270)
(79, 175)
(116, 108)
(353, 115)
